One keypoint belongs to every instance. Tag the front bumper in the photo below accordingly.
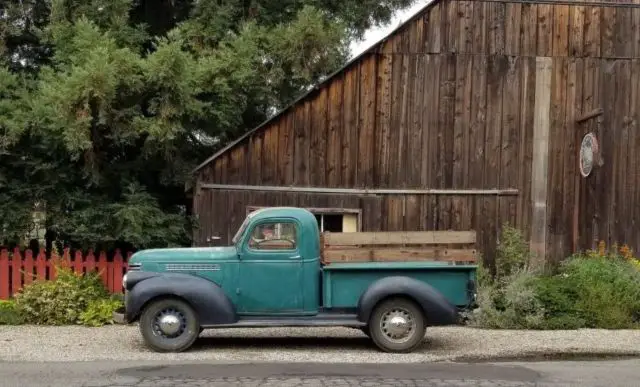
(120, 316)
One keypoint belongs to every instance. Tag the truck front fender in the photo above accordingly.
(207, 298)
(437, 309)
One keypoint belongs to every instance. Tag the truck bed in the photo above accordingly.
(343, 283)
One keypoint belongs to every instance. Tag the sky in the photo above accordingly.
(376, 34)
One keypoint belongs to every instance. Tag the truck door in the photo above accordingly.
(270, 276)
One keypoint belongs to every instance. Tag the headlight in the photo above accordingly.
(124, 281)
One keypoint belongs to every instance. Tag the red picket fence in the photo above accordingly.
(21, 269)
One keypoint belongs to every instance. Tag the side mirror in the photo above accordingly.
(212, 240)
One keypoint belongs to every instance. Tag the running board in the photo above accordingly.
(313, 321)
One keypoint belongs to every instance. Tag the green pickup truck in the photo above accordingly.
(281, 272)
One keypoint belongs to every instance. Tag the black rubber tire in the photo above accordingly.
(163, 344)
(380, 339)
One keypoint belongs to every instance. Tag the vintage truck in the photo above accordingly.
(282, 272)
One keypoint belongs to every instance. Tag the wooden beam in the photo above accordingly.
(364, 191)
(399, 237)
(400, 255)
(540, 165)
(589, 115)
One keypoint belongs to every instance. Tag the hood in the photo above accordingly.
(195, 254)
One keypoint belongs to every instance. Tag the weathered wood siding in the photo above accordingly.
(448, 101)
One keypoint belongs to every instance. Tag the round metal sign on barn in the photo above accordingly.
(588, 152)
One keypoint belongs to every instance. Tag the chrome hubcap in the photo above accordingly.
(397, 325)
(169, 323)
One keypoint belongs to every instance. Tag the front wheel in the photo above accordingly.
(397, 325)
(169, 325)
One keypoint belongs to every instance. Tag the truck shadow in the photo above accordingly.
(328, 343)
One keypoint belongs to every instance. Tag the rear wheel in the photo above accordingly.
(169, 325)
(397, 325)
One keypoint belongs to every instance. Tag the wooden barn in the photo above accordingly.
(470, 115)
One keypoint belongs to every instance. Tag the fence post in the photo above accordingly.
(28, 267)
(4, 275)
(41, 266)
(117, 272)
(90, 262)
(16, 271)
(78, 262)
(102, 268)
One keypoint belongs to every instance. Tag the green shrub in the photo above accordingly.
(9, 314)
(61, 301)
(99, 312)
(597, 289)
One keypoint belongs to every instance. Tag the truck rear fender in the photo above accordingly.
(436, 308)
(207, 298)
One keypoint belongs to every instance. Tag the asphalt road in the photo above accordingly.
(141, 374)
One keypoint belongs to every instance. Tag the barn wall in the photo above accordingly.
(448, 102)
(227, 209)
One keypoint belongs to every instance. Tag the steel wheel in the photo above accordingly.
(397, 325)
(169, 325)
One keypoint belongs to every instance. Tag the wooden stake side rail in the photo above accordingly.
(438, 246)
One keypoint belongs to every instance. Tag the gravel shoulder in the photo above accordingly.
(55, 344)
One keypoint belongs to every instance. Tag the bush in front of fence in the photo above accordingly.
(69, 299)
(592, 289)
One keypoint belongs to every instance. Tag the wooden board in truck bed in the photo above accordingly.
(440, 246)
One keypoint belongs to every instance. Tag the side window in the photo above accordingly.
(274, 236)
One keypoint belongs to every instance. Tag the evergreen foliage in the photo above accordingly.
(107, 105)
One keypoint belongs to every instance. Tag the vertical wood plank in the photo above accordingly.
(481, 28)
(41, 268)
(450, 23)
(318, 150)
(416, 129)
(287, 141)
(545, 30)
(430, 121)
(434, 42)
(366, 121)
(511, 136)
(117, 272)
(334, 146)
(560, 30)
(478, 122)
(78, 262)
(557, 224)
(350, 125)
(572, 175)
(576, 30)
(16, 271)
(302, 144)
(634, 144)
(4, 275)
(605, 185)
(446, 113)
(625, 185)
(528, 99)
(539, 171)
(28, 267)
(592, 41)
(635, 32)
(462, 118)
(608, 26)
(623, 34)
(90, 262)
(513, 28)
(529, 30)
(497, 25)
(465, 27)
(497, 67)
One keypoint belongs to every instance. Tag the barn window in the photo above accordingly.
(332, 219)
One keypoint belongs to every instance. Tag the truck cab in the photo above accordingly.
(274, 274)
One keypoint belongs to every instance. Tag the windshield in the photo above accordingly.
(243, 227)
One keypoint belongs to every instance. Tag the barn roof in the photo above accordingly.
(318, 86)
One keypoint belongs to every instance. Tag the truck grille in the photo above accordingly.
(134, 267)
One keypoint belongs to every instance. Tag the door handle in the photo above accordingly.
(295, 257)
